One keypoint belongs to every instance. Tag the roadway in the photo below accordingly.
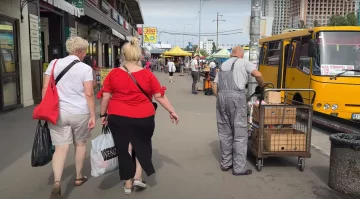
(186, 158)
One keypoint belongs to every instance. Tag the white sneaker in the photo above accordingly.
(127, 191)
(139, 185)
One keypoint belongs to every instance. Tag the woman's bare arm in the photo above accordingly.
(45, 84)
(104, 103)
(164, 101)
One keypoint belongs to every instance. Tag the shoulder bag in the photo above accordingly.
(142, 90)
(48, 109)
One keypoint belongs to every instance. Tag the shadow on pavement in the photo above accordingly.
(322, 172)
(113, 179)
(70, 172)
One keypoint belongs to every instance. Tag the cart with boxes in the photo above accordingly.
(278, 126)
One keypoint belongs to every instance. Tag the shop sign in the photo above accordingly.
(150, 34)
(114, 14)
(35, 37)
(105, 6)
(95, 2)
(120, 20)
(126, 25)
(79, 4)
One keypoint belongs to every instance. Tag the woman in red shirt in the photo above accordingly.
(130, 113)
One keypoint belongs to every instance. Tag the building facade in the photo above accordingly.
(207, 45)
(32, 33)
(278, 10)
(303, 13)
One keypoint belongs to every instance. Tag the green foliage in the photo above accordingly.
(348, 20)
(302, 24)
(194, 48)
(204, 53)
(213, 48)
(316, 23)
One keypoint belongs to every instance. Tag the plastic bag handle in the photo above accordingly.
(105, 129)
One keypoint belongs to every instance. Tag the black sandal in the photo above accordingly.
(245, 173)
(81, 180)
(56, 191)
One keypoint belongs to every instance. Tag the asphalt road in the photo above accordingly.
(186, 158)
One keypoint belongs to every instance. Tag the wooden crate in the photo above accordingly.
(288, 140)
(273, 115)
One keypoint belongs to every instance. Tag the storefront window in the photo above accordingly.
(7, 47)
(9, 91)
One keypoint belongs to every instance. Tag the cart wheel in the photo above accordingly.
(259, 164)
(301, 164)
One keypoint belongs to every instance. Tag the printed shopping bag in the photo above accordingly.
(103, 155)
(42, 150)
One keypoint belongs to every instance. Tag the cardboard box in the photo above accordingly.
(285, 141)
(272, 97)
(274, 115)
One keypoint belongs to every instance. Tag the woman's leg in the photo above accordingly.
(138, 173)
(80, 153)
(58, 161)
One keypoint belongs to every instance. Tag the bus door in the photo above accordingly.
(298, 69)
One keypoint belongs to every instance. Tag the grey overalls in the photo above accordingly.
(231, 114)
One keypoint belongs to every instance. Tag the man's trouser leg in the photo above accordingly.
(238, 111)
(225, 132)
(194, 75)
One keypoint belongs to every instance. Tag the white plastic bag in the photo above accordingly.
(103, 155)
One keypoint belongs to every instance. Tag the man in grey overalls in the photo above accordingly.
(231, 110)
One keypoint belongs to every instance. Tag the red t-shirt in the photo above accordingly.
(127, 99)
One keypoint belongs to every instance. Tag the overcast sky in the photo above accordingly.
(174, 15)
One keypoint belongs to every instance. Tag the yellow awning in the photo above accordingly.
(177, 51)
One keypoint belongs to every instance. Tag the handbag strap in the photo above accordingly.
(65, 70)
(137, 84)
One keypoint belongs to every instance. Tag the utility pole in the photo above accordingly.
(217, 28)
(200, 23)
(254, 39)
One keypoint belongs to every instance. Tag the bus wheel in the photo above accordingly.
(297, 99)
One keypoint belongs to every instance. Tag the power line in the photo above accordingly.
(225, 31)
(217, 27)
(196, 35)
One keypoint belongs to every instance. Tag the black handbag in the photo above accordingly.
(142, 90)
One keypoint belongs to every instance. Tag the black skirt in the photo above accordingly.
(138, 132)
(171, 74)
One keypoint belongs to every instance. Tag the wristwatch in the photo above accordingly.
(105, 115)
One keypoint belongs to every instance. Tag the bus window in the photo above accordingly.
(289, 49)
(304, 60)
(273, 57)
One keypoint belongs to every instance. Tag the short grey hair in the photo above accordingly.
(75, 44)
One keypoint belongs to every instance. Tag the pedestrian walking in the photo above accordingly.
(231, 110)
(77, 110)
(195, 66)
(127, 107)
(172, 69)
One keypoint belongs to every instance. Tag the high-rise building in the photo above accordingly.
(303, 13)
(279, 10)
(207, 45)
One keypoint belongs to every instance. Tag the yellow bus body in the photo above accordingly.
(280, 64)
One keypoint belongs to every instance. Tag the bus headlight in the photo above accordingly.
(326, 106)
(334, 107)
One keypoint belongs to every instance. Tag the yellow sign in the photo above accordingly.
(103, 73)
(150, 35)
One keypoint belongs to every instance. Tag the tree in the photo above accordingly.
(352, 19)
(302, 24)
(194, 47)
(204, 53)
(213, 48)
(348, 20)
(316, 23)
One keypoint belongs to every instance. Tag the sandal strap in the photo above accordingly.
(82, 179)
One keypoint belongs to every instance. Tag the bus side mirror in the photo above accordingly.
(311, 48)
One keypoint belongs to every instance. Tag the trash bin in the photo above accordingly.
(344, 174)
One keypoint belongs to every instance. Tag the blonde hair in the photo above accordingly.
(75, 44)
(131, 51)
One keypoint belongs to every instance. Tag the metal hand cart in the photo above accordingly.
(278, 130)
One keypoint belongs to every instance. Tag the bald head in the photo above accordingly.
(237, 51)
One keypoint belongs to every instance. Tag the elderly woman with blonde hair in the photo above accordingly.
(77, 109)
(128, 109)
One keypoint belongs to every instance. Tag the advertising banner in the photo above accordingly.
(150, 35)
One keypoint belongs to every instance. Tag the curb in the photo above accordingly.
(321, 151)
